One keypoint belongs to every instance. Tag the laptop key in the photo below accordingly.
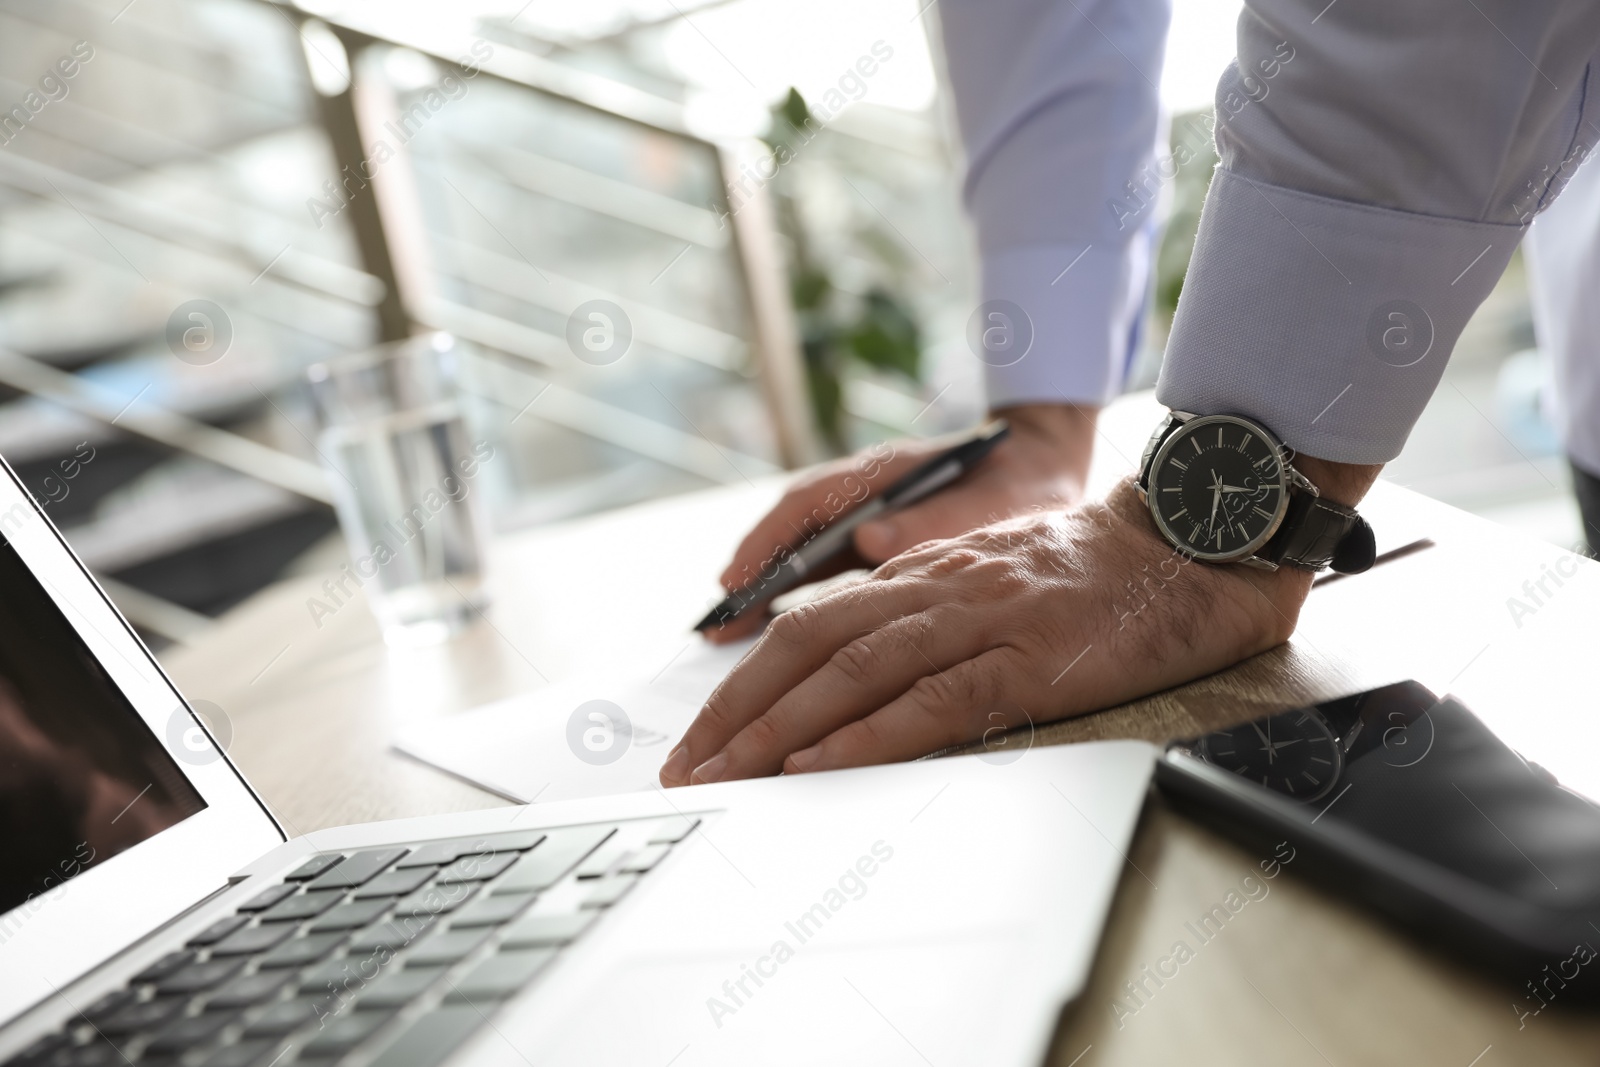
(438, 853)
(301, 951)
(97, 1053)
(113, 1001)
(394, 883)
(608, 891)
(396, 989)
(600, 861)
(284, 1017)
(645, 859)
(268, 897)
(218, 930)
(252, 939)
(448, 947)
(199, 977)
(560, 852)
(147, 1015)
(158, 970)
(40, 1050)
(241, 1054)
(357, 869)
(436, 900)
(500, 975)
(492, 911)
(391, 936)
(248, 989)
(671, 830)
(344, 1033)
(314, 866)
(302, 906)
(185, 1034)
(477, 868)
(336, 974)
(537, 931)
(431, 1038)
(350, 916)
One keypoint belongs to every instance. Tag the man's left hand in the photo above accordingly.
(1031, 619)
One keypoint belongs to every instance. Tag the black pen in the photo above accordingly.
(929, 478)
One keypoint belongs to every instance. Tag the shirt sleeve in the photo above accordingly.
(1059, 115)
(1379, 166)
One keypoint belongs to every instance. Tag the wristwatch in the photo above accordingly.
(1224, 489)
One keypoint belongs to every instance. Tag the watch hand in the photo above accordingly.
(1233, 489)
(1216, 497)
(1286, 744)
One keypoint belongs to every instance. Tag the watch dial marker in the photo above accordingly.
(1224, 487)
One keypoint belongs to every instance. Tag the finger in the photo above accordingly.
(796, 644)
(859, 678)
(814, 502)
(756, 616)
(940, 710)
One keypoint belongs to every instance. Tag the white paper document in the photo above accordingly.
(599, 734)
(580, 737)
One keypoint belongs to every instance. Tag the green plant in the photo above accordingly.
(876, 328)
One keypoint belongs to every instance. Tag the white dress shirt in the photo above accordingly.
(1562, 251)
(1380, 163)
(1057, 104)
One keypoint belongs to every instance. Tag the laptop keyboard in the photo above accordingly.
(392, 956)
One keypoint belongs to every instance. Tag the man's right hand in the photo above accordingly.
(1043, 463)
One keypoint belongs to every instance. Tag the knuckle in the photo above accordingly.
(935, 694)
(717, 714)
(758, 737)
(796, 628)
(869, 734)
(952, 559)
(856, 662)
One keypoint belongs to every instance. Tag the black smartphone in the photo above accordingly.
(1412, 805)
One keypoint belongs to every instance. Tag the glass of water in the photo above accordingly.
(406, 483)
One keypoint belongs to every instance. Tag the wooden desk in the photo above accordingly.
(1298, 977)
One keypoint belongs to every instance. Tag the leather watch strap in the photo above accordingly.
(1318, 533)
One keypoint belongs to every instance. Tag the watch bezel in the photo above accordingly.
(1285, 480)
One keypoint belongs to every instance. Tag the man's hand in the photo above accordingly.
(1044, 462)
(1051, 614)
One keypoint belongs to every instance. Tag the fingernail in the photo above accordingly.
(677, 765)
(807, 759)
(711, 770)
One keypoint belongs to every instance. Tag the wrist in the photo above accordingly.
(1342, 483)
(1284, 589)
(1064, 432)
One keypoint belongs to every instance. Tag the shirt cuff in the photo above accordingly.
(1058, 321)
(1327, 321)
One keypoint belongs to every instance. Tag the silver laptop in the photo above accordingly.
(153, 913)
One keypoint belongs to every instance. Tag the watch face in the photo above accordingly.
(1218, 487)
(1294, 753)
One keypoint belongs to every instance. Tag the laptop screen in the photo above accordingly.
(82, 778)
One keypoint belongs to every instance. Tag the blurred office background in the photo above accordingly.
(225, 152)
